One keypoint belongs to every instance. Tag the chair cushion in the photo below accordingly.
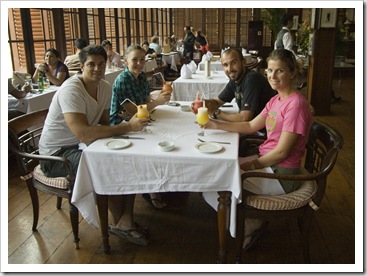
(290, 201)
(57, 182)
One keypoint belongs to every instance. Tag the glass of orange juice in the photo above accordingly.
(202, 117)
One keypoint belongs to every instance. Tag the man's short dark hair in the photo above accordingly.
(285, 18)
(106, 42)
(236, 50)
(145, 43)
(80, 43)
(92, 50)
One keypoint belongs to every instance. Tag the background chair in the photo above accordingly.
(24, 133)
(321, 153)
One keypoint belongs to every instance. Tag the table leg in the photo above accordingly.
(224, 207)
(102, 205)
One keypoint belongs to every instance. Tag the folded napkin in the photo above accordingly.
(186, 72)
(173, 64)
(209, 55)
(192, 66)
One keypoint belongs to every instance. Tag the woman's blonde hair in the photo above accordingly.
(288, 58)
(133, 47)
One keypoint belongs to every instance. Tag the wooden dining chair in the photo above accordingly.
(322, 150)
(24, 133)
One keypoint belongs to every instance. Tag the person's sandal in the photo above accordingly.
(128, 235)
(152, 201)
(256, 236)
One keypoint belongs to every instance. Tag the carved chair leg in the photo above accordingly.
(35, 203)
(74, 218)
(58, 203)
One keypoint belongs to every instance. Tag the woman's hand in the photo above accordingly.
(247, 166)
(163, 98)
(27, 87)
(43, 67)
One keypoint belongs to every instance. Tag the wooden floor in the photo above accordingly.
(186, 233)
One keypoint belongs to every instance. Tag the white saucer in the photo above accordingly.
(208, 147)
(117, 144)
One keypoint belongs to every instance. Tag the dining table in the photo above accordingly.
(186, 89)
(125, 165)
(33, 101)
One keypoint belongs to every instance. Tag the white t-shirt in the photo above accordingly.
(72, 97)
(156, 47)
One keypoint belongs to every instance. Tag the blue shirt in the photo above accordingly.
(126, 86)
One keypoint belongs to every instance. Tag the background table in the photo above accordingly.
(173, 60)
(111, 74)
(33, 102)
(186, 89)
(143, 168)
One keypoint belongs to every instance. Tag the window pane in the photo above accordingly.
(93, 26)
(16, 40)
(42, 31)
(72, 28)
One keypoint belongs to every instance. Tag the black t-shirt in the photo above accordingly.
(149, 51)
(252, 93)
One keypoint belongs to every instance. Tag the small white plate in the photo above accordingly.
(208, 147)
(117, 144)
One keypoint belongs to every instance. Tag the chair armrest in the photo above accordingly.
(70, 176)
(295, 177)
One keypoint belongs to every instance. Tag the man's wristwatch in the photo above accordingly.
(216, 113)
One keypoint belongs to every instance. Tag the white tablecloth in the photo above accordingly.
(186, 89)
(111, 74)
(33, 102)
(143, 168)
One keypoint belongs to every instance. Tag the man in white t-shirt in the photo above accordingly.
(79, 113)
(155, 45)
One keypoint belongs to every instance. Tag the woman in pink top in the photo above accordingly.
(287, 118)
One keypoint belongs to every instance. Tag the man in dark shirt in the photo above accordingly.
(149, 52)
(189, 42)
(251, 90)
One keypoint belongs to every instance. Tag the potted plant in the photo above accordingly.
(303, 37)
(272, 19)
